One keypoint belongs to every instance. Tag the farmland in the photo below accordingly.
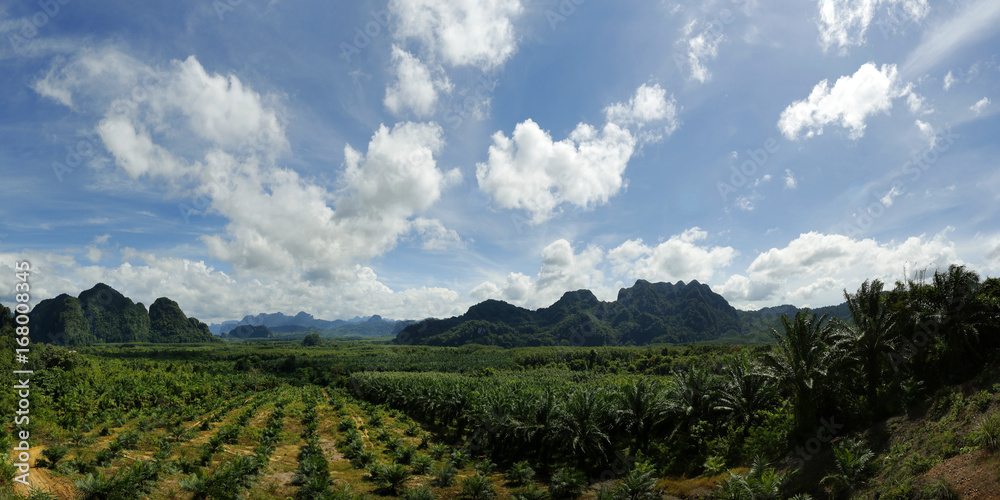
(826, 408)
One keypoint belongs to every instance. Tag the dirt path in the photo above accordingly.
(43, 479)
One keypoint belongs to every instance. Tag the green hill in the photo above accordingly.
(102, 314)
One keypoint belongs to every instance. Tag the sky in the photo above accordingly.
(410, 158)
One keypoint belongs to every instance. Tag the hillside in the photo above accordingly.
(103, 315)
(643, 314)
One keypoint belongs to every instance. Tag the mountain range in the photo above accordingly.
(642, 314)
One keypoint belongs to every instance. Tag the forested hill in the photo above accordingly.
(645, 313)
(102, 314)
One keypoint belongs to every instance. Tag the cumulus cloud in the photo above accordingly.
(414, 89)
(680, 257)
(843, 23)
(467, 33)
(209, 137)
(649, 104)
(849, 103)
(980, 105)
(837, 258)
(531, 171)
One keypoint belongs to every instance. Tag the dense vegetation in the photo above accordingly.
(846, 409)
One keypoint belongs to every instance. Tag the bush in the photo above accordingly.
(421, 493)
(421, 463)
(520, 473)
(988, 433)
(478, 487)
(532, 492)
(53, 454)
(444, 475)
(939, 490)
(639, 484)
(567, 483)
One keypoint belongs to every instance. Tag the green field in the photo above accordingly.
(864, 409)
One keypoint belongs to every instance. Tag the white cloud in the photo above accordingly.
(850, 101)
(973, 21)
(213, 296)
(467, 33)
(814, 256)
(887, 200)
(209, 137)
(562, 270)
(434, 236)
(414, 89)
(927, 131)
(647, 105)
(530, 171)
(843, 23)
(916, 102)
(680, 257)
(949, 80)
(980, 105)
(790, 182)
(701, 48)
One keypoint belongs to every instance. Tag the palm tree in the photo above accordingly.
(873, 334)
(802, 360)
(692, 397)
(584, 425)
(639, 410)
(961, 315)
(746, 390)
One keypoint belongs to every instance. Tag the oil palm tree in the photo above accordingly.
(802, 361)
(746, 390)
(873, 334)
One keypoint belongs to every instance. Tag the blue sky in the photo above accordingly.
(247, 157)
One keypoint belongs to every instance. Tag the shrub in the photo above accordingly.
(988, 433)
(520, 473)
(421, 463)
(532, 492)
(478, 487)
(53, 454)
(567, 483)
(421, 493)
(939, 490)
(445, 474)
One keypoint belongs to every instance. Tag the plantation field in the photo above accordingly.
(890, 405)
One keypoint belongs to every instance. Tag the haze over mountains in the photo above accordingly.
(642, 314)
